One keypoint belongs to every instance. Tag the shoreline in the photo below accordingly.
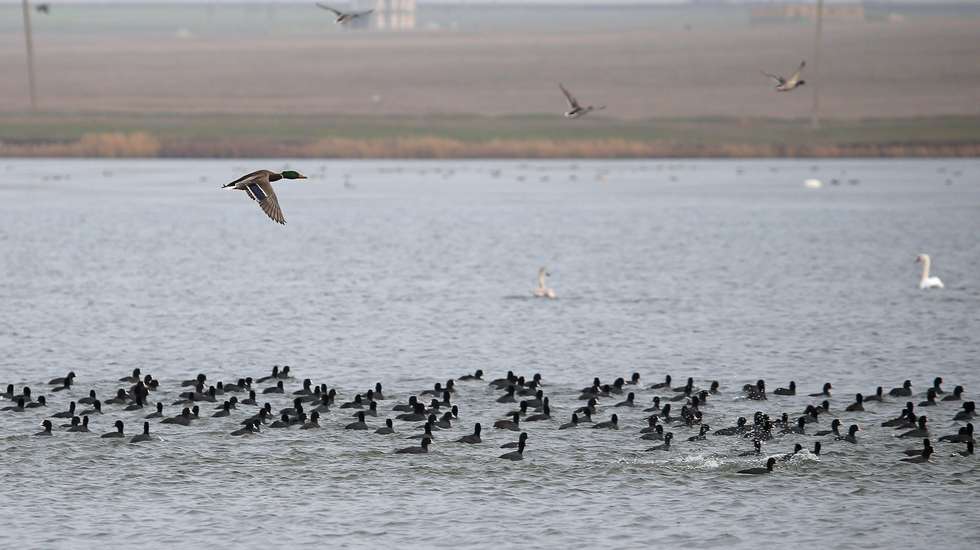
(108, 146)
(533, 136)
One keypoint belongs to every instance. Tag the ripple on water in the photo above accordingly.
(411, 282)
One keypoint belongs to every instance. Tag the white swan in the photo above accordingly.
(543, 291)
(926, 281)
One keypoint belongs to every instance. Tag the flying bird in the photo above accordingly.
(258, 185)
(43, 8)
(793, 82)
(345, 17)
(575, 110)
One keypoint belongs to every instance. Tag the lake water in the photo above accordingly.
(411, 273)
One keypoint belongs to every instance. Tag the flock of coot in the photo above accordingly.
(671, 409)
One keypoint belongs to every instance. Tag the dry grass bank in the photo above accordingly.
(98, 145)
(142, 145)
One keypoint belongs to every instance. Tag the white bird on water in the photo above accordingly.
(543, 291)
(926, 281)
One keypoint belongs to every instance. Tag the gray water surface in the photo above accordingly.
(416, 272)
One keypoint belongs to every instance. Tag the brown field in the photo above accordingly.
(920, 68)
(876, 69)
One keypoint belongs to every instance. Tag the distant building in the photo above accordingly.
(806, 12)
(393, 15)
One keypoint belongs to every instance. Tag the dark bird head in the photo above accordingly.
(292, 175)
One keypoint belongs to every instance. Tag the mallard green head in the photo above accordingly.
(292, 175)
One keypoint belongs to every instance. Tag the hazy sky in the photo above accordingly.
(578, 2)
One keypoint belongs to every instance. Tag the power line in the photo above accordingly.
(815, 112)
(29, 43)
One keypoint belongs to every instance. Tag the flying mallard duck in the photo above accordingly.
(343, 17)
(785, 85)
(258, 185)
(574, 109)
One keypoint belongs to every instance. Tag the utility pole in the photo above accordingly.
(815, 112)
(29, 42)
